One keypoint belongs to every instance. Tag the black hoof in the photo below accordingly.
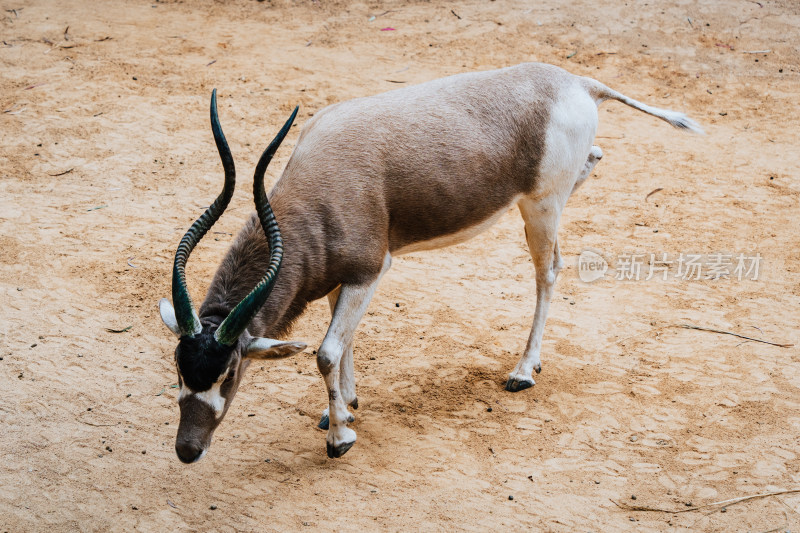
(516, 385)
(324, 422)
(538, 369)
(351, 419)
(338, 451)
(354, 404)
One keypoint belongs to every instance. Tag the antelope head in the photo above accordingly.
(211, 357)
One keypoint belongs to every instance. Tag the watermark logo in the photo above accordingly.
(664, 266)
(591, 266)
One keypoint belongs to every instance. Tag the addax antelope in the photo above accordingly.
(413, 169)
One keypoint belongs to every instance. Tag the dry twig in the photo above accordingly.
(62, 173)
(724, 503)
(690, 326)
(96, 425)
(651, 193)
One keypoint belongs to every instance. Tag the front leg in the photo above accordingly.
(347, 380)
(350, 308)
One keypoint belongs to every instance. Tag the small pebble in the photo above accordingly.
(213, 507)
(723, 510)
(596, 482)
(634, 438)
(109, 448)
(633, 496)
(134, 508)
(397, 304)
(510, 497)
(144, 452)
(688, 504)
(488, 409)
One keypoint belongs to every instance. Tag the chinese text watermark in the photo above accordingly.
(663, 266)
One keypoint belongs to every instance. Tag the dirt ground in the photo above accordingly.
(107, 158)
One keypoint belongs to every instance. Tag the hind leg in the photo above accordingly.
(541, 225)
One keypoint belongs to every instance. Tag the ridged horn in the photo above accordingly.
(241, 315)
(188, 321)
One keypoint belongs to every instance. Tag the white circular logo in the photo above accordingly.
(591, 266)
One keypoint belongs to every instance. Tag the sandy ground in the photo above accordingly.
(107, 157)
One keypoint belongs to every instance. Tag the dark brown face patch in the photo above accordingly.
(201, 360)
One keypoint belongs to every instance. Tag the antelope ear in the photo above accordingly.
(261, 348)
(168, 316)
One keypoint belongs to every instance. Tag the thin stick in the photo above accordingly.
(651, 193)
(690, 326)
(96, 425)
(725, 503)
(62, 173)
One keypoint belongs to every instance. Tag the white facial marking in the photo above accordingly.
(203, 454)
(211, 397)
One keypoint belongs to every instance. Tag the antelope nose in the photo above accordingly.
(188, 451)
